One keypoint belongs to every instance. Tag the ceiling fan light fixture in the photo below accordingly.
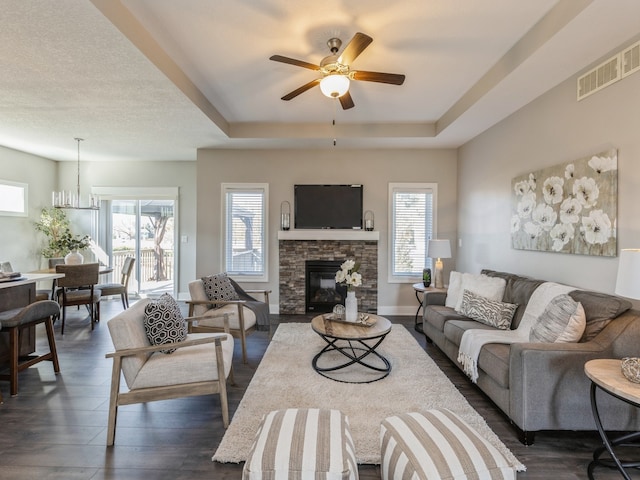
(334, 85)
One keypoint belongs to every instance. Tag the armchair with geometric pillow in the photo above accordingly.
(159, 360)
(214, 295)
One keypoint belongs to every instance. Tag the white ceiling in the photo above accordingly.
(158, 79)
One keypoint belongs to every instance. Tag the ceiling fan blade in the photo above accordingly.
(392, 78)
(301, 89)
(346, 101)
(293, 61)
(355, 47)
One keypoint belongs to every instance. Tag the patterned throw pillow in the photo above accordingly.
(562, 321)
(490, 312)
(164, 323)
(219, 287)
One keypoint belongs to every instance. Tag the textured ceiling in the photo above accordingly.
(158, 79)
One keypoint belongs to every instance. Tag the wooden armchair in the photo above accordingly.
(242, 320)
(200, 365)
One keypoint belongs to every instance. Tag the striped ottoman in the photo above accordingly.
(302, 443)
(438, 445)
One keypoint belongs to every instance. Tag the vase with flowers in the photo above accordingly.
(348, 276)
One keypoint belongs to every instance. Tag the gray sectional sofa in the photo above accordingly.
(542, 386)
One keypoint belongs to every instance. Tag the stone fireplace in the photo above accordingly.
(298, 247)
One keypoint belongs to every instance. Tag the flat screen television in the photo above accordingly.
(328, 206)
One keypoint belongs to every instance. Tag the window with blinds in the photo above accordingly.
(412, 222)
(245, 219)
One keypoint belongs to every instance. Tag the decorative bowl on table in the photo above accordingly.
(631, 369)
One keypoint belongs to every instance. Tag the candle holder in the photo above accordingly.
(285, 215)
(368, 221)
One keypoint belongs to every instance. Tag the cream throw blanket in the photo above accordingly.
(474, 339)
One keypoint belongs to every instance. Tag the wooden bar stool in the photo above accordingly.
(12, 321)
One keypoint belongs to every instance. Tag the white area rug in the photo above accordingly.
(285, 379)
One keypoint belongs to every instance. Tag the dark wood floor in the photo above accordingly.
(56, 427)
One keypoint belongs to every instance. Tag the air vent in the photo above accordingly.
(630, 59)
(604, 74)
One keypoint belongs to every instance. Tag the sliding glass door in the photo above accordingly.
(145, 230)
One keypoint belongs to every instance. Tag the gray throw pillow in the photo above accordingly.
(490, 312)
(562, 321)
(219, 288)
(164, 323)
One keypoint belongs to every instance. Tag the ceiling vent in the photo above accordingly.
(610, 71)
(630, 59)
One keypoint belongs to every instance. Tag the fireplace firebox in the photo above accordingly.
(321, 291)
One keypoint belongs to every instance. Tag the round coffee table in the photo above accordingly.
(356, 343)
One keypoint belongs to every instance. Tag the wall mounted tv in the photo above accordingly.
(328, 206)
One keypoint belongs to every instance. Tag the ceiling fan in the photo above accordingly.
(336, 71)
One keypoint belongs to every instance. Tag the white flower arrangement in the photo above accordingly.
(348, 274)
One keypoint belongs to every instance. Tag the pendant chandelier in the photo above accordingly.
(71, 200)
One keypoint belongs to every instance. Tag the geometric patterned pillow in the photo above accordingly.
(164, 323)
(219, 288)
(490, 312)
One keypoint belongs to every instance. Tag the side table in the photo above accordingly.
(420, 290)
(606, 375)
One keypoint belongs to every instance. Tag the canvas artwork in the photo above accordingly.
(568, 208)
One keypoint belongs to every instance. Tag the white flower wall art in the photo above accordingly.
(568, 208)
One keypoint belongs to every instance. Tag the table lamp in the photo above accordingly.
(628, 281)
(439, 249)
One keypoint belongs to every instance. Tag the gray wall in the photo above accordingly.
(551, 130)
(19, 242)
(281, 169)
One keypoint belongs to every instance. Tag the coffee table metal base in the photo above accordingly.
(355, 351)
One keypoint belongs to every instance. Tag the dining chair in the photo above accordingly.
(78, 287)
(121, 288)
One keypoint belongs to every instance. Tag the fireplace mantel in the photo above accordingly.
(329, 234)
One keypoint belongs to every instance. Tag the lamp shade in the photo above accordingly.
(334, 85)
(439, 249)
(628, 281)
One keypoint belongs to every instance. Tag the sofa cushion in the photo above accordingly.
(599, 309)
(454, 329)
(563, 320)
(490, 312)
(219, 288)
(164, 323)
(438, 315)
(518, 290)
(483, 285)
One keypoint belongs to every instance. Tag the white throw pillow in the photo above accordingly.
(483, 285)
(454, 291)
(563, 321)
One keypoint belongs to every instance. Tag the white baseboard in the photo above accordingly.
(398, 310)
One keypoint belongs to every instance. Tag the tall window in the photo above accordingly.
(245, 226)
(412, 208)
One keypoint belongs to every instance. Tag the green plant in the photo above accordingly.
(55, 225)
